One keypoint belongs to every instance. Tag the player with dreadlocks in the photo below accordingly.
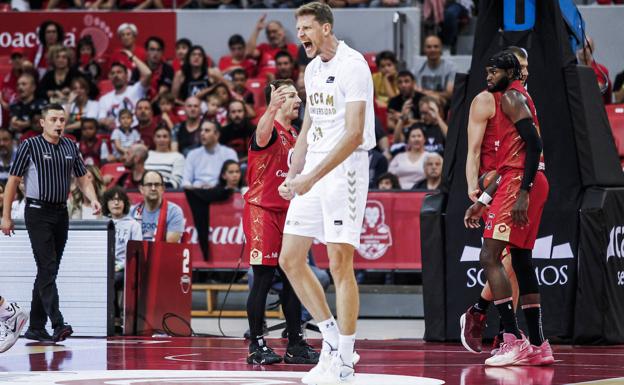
(514, 215)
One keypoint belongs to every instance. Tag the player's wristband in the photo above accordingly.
(485, 198)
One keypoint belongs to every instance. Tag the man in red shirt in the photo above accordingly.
(237, 58)
(514, 215)
(265, 53)
(146, 122)
(162, 73)
(264, 216)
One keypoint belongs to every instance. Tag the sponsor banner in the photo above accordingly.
(600, 294)
(554, 261)
(390, 233)
(19, 30)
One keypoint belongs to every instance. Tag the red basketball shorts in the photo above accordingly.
(263, 234)
(506, 249)
(498, 224)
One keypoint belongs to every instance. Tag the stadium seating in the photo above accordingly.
(370, 59)
(113, 169)
(105, 86)
(5, 64)
(256, 86)
(615, 113)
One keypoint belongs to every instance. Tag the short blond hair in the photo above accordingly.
(321, 12)
(57, 49)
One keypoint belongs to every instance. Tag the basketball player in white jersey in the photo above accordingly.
(328, 185)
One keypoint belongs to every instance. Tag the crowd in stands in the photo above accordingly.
(146, 122)
(134, 110)
(26, 5)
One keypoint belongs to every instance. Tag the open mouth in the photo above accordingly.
(307, 45)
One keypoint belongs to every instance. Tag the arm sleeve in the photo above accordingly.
(178, 171)
(93, 109)
(357, 82)
(533, 142)
(22, 159)
(232, 154)
(175, 219)
(102, 108)
(137, 91)
(394, 165)
(187, 177)
(254, 145)
(450, 76)
(79, 166)
(136, 233)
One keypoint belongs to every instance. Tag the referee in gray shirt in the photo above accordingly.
(47, 162)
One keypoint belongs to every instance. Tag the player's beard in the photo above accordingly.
(501, 85)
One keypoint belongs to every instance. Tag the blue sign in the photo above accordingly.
(518, 15)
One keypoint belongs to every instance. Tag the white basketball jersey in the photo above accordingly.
(329, 87)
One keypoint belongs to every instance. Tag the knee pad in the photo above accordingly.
(521, 260)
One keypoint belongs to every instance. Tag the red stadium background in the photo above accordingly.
(390, 234)
(21, 31)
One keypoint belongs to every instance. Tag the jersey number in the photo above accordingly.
(186, 255)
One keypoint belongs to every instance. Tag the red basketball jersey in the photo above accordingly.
(511, 151)
(489, 143)
(267, 168)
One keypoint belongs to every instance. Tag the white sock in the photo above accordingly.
(346, 345)
(6, 311)
(330, 332)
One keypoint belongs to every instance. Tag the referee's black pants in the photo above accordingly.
(47, 229)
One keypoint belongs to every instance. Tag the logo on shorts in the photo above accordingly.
(255, 257)
(375, 238)
(338, 223)
(502, 228)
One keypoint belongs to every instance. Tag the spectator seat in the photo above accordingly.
(256, 86)
(370, 59)
(105, 86)
(615, 113)
(113, 169)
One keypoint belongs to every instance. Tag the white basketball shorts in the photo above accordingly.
(333, 210)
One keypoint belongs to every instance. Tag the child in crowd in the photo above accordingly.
(213, 108)
(116, 205)
(168, 112)
(95, 151)
(222, 91)
(124, 136)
